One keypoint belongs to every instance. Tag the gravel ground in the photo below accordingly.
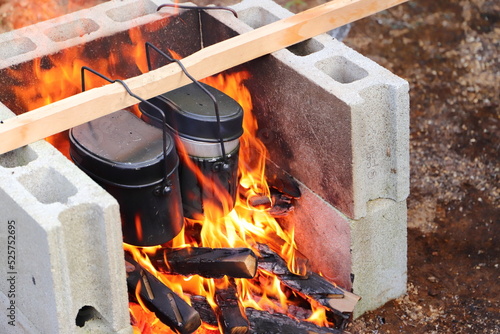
(448, 52)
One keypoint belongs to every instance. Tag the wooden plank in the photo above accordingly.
(75, 110)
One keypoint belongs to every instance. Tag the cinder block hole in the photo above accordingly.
(16, 47)
(67, 31)
(131, 11)
(257, 17)
(341, 69)
(306, 47)
(48, 185)
(20, 157)
(85, 314)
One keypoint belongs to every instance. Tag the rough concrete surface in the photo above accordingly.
(66, 250)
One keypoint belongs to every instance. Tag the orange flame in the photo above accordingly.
(58, 76)
(145, 322)
(244, 226)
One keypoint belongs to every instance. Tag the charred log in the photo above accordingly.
(273, 263)
(262, 322)
(206, 312)
(207, 262)
(159, 299)
(229, 315)
(311, 285)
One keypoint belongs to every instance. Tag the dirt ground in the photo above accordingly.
(448, 52)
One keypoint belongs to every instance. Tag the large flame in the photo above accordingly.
(58, 76)
(244, 226)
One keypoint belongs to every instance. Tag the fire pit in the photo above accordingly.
(319, 105)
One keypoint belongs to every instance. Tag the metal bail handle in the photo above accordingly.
(226, 165)
(176, 5)
(166, 186)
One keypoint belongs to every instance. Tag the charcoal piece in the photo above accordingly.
(159, 299)
(340, 319)
(262, 322)
(285, 184)
(207, 262)
(280, 211)
(282, 205)
(281, 199)
(206, 312)
(229, 314)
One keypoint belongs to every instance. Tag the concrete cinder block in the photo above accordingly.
(373, 249)
(77, 28)
(379, 254)
(66, 253)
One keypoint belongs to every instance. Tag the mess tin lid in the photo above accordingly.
(121, 148)
(190, 113)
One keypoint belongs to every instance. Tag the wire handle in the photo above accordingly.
(198, 8)
(214, 100)
(165, 189)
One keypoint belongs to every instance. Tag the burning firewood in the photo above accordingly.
(263, 322)
(273, 263)
(312, 285)
(158, 298)
(282, 205)
(229, 313)
(284, 190)
(207, 262)
(206, 312)
(278, 205)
